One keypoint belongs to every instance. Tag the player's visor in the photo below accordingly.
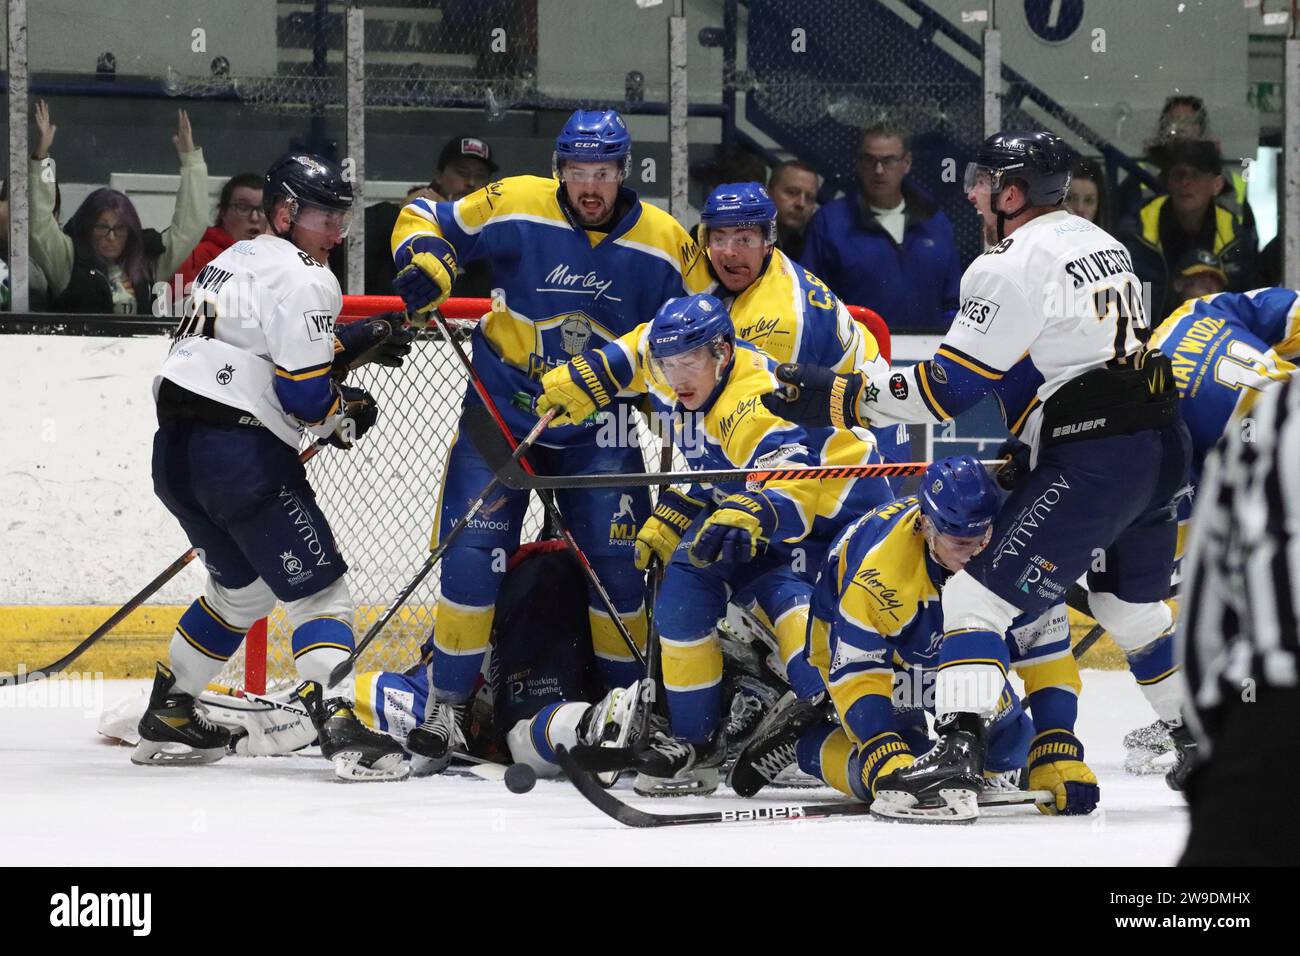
(322, 220)
(676, 368)
(980, 177)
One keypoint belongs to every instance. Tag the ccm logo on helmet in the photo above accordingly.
(585, 145)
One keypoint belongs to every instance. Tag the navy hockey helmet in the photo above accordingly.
(1038, 160)
(740, 204)
(959, 497)
(593, 136)
(308, 180)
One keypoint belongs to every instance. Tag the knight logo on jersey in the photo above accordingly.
(575, 333)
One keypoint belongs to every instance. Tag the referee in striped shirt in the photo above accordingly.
(1238, 638)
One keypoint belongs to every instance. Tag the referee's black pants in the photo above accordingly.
(1243, 799)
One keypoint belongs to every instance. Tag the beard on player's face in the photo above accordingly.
(593, 201)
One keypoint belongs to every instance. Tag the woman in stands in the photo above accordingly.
(103, 261)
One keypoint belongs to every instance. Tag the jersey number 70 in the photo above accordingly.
(1124, 305)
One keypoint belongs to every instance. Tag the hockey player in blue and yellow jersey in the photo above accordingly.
(765, 543)
(779, 305)
(1226, 349)
(575, 263)
(877, 620)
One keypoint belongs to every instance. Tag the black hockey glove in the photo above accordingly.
(360, 412)
(385, 338)
(1013, 474)
(815, 396)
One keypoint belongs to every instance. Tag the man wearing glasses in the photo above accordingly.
(887, 247)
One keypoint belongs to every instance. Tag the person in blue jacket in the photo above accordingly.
(888, 246)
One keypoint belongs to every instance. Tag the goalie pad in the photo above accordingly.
(259, 729)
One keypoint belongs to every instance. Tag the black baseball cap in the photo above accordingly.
(470, 146)
(1202, 154)
(1198, 261)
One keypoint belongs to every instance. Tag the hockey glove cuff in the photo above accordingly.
(816, 397)
(384, 339)
(734, 531)
(426, 268)
(580, 388)
(878, 758)
(1056, 764)
(661, 534)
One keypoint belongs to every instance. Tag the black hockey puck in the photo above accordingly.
(520, 778)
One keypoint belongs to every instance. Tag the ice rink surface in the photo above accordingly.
(70, 797)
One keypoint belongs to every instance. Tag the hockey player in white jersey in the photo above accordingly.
(1107, 457)
(254, 364)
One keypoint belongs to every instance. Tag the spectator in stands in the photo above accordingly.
(1182, 119)
(239, 216)
(102, 260)
(793, 187)
(1088, 196)
(1191, 216)
(887, 246)
(1198, 273)
(464, 165)
(37, 286)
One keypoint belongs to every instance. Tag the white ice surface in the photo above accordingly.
(69, 797)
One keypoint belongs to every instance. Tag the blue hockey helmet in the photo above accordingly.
(740, 204)
(593, 136)
(308, 180)
(687, 323)
(1039, 160)
(959, 497)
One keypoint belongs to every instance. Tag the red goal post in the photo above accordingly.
(383, 537)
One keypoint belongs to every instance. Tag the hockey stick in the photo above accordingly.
(630, 816)
(478, 420)
(173, 569)
(340, 671)
(495, 453)
(1089, 639)
(607, 803)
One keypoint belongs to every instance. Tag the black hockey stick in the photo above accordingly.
(487, 420)
(495, 453)
(173, 569)
(1085, 643)
(341, 670)
(607, 803)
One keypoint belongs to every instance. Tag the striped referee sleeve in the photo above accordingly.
(1238, 626)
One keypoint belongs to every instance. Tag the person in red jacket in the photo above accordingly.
(239, 216)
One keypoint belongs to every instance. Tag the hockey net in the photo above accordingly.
(381, 498)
